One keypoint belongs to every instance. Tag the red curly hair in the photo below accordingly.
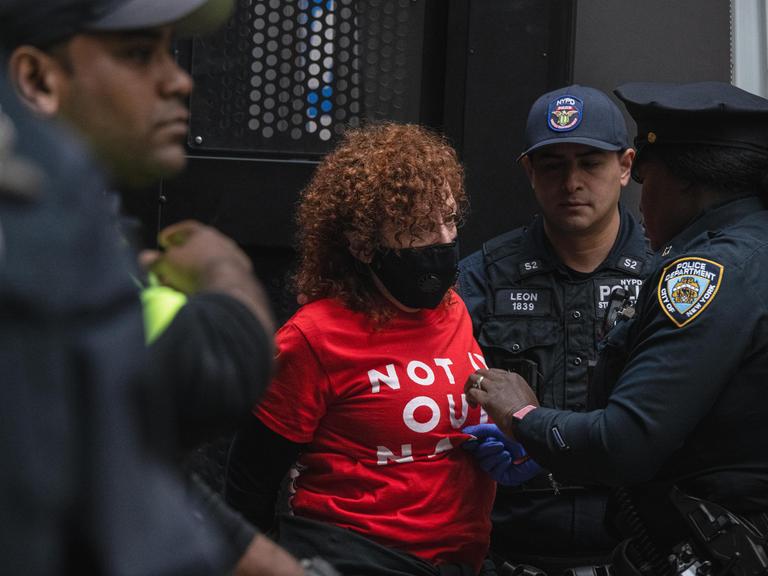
(402, 174)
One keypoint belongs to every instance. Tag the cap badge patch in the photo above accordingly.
(565, 113)
(687, 286)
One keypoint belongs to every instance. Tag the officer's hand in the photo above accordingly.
(198, 258)
(505, 460)
(193, 256)
(501, 394)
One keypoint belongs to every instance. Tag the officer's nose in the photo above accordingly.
(176, 81)
(572, 178)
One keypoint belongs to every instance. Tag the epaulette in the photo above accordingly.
(503, 245)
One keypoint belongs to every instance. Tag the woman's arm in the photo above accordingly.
(258, 461)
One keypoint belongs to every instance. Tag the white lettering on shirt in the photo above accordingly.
(445, 364)
(409, 414)
(475, 358)
(390, 379)
(442, 446)
(384, 455)
(457, 422)
(429, 377)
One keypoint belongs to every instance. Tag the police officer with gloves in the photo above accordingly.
(678, 421)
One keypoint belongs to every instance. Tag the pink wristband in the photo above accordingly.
(520, 414)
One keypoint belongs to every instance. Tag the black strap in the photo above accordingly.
(353, 554)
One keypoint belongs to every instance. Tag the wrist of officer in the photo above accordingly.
(513, 417)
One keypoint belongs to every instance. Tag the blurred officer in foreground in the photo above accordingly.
(539, 298)
(105, 68)
(683, 377)
(79, 493)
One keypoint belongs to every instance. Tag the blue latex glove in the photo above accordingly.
(505, 460)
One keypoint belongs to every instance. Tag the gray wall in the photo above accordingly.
(620, 41)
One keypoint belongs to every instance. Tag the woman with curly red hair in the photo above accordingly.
(367, 399)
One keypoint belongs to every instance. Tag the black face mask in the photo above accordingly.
(417, 277)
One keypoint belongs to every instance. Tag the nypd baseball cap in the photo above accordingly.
(45, 23)
(708, 113)
(575, 114)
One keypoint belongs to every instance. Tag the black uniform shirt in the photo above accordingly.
(527, 307)
(690, 403)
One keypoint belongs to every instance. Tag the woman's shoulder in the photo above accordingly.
(327, 315)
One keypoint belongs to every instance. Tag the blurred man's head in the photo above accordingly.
(106, 68)
(577, 158)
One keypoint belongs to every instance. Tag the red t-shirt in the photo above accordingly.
(382, 412)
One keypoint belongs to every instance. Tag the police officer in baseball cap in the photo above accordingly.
(680, 413)
(577, 115)
(538, 297)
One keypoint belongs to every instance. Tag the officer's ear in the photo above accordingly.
(626, 158)
(38, 78)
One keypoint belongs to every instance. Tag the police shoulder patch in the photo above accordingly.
(687, 286)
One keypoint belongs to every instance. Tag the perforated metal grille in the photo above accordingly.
(391, 47)
(290, 75)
